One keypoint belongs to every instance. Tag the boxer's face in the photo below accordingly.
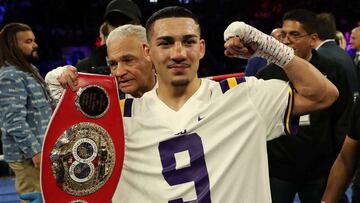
(176, 49)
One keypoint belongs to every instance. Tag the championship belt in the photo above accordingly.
(83, 148)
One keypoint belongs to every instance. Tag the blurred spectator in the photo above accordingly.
(25, 107)
(326, 47)
(355, 39)
(118, 12)
(355, 44)
(340, 40)
(104, 31)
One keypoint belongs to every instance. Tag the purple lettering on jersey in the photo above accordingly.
(197, 170)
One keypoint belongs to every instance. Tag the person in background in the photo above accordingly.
(340, 40)
(104, 32)
(355, 44)
(301, 163)
(25, 106)
(326, 46)
(355, 39)
(118, 12)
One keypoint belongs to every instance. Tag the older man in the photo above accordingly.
(133, 70)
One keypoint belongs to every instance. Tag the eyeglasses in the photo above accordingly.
(293, 36)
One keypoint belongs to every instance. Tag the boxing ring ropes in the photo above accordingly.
(226, 76)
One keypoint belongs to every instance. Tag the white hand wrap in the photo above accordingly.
(267, 46)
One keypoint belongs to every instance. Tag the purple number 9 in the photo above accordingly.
(197, 170)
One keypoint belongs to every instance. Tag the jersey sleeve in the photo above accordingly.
(274, 101)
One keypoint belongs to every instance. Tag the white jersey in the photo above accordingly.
(212, 150)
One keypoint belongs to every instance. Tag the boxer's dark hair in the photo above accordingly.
(169, 12)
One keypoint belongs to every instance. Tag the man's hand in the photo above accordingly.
(235, 48)
(69, 78)
(37, 160)
(243, 41)
(60, 73)
(32, 197)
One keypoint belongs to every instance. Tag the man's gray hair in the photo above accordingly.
(124, 31)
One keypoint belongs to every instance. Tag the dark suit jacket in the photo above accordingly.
(95, 63)
(357, 70)
(335, 54)
(310, 153)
